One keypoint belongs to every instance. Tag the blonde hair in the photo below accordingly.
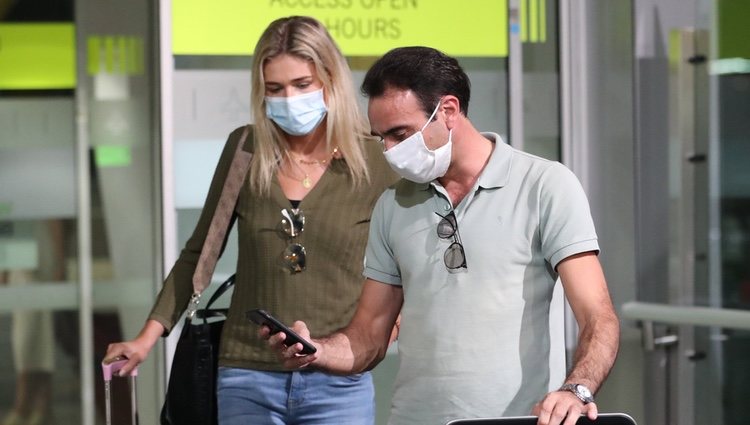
(306, 38)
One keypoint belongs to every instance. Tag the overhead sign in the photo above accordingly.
(37, 56)
(360, 27)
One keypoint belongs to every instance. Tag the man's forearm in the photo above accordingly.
(363, 343)
(345, 353)
(597, 349)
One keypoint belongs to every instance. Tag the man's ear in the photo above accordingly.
(451, 108)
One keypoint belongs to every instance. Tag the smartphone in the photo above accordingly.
(261, 317)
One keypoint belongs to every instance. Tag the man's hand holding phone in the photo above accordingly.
(292, 346)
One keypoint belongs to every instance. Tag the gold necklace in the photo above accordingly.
(316, 161)
(307, 181)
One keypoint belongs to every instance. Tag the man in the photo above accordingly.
(467, 248)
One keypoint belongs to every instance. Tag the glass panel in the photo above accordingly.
(695, 168)
(733, 128)
(40, 354)
(541, 78)
(38, 348)
(38, 295)
(211, 98)
(488, 108)
(118, 94)
(723, 377)
(710, 195)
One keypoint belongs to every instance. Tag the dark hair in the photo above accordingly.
(427, 72)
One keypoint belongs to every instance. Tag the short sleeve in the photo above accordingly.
(380, 263)
(566, 225)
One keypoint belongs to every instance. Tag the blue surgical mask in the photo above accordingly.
(297, 115)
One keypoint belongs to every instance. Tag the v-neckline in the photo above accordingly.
(311, 199)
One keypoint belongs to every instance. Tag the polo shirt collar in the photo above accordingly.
(497, 170)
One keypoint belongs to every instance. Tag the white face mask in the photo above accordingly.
(413, 161)
(297, 115)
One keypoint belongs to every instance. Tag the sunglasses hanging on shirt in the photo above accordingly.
(454, 256)
(292, 224)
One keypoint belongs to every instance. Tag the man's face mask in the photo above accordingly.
(412, 160)
(297, 115)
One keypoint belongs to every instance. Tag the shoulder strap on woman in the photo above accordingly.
(220, 221)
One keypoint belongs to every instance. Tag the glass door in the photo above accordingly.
(78, 203)
(730, 74)
(38, 228)
(695, 199)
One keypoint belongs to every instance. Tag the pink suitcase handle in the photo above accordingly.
(109, 369)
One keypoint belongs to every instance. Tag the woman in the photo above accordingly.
(303, 221)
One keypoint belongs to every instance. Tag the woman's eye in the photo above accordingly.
(273, 90)
(303, 85)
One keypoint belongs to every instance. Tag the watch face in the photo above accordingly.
(583, 390)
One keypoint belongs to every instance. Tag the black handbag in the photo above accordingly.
(191, 393)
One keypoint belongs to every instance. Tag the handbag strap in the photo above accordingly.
(219, 226)
(220, 290)
(208, 312)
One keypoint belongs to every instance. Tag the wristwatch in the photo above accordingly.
(581, 391)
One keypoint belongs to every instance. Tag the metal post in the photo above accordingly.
(83, 176)
(515, 74)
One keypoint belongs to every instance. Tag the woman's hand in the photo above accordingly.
(136, 350)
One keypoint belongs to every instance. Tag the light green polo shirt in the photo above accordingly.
(475, 343)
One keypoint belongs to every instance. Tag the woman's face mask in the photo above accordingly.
(297, 115)
(412, 160)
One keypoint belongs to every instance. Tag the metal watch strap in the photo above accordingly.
(580, 391)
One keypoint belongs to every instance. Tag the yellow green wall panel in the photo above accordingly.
(734, 22)
(533, 20)
(115, 54)
(360, 27)
(37, 56)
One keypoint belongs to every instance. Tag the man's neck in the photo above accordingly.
(471, 152)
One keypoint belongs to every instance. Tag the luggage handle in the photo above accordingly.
(111, 368)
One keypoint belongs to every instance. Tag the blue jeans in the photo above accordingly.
(307, 397)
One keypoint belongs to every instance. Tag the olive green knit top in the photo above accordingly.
(324, 295)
